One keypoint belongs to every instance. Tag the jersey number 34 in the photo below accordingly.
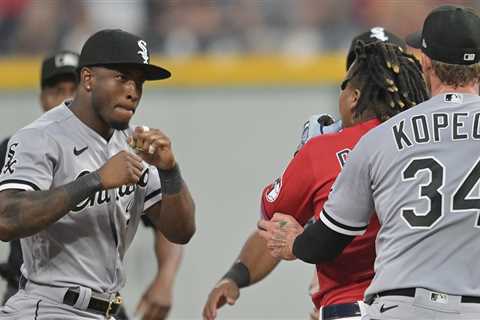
(461, 199)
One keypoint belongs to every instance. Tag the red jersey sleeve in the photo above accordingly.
(292, 193)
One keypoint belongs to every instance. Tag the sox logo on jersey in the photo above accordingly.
(10, 164)
(103, 196)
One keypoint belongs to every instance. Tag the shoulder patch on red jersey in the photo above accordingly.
(272, 195)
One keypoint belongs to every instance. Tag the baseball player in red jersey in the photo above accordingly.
(301, 192)
(303, 189)
(364, 103)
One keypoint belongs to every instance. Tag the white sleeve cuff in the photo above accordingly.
(336, 226)
(152, 199)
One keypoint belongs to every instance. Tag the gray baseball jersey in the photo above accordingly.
(85, 247)
(420, 172)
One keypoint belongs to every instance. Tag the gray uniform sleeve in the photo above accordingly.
(153, 193)
(350, 203)
(30, 161)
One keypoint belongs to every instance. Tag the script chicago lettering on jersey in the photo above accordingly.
(103, 196)
(422, 129)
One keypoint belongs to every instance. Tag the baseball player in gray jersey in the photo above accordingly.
(77, 180)
(420, 172)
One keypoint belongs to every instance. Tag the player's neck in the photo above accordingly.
(438, 87)
(85, 113)
(367, 115)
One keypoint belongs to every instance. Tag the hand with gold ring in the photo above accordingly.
(153, 146)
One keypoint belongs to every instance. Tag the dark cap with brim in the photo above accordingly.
(450, 34)
(373, 35)
(63, 63)
(414, 40)
(114, 47)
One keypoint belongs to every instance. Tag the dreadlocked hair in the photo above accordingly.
(389, 79)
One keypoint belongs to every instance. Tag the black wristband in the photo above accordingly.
(83, 187)
(239, 274)
(170, 180)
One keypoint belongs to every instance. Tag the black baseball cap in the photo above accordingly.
(450, 34)
(372, 35)
(113, 47)
(62, 63)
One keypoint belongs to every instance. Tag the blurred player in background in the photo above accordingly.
(304, 188)
(59, 81)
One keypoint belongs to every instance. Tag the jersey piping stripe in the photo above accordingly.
(341, 228)
(153, 194)
(18, 184)
(151, 199)
(36, 309)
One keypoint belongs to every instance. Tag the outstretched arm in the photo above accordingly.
(253, 264)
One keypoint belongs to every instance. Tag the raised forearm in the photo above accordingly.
(24, 213)
(174, 216)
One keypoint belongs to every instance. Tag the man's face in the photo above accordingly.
(116, 92)
(59, 91)
(347, 100)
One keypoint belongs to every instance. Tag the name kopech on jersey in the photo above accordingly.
(423, 128)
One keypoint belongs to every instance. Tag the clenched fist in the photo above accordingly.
(153, 146)
(124, 168)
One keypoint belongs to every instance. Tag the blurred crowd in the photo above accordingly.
(188, 27)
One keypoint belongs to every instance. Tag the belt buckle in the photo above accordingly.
(116, 300)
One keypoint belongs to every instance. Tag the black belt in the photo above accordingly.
(410, 292)
(99, 305)
(338, 311)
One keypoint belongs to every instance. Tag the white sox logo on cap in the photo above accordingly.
(379, 33)
(142, 44)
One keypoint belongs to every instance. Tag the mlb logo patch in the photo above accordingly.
(453, 97)
(469, 57)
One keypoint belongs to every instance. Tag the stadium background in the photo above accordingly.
(246, 75)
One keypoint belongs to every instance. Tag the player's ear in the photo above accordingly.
(426, 63)
(43, 99)
(354, 99)
(86, 79)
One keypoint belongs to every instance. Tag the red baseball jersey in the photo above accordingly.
(301, 192)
